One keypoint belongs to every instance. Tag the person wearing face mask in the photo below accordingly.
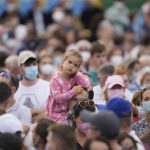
(46, 67)
(81, 128)
(30, 91)
(143, 125)
(144, 79)
(116, 56)
(114, 87)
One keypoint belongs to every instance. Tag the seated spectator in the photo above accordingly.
(81, 128)
(5, 94)
(29, 92)
(142, 125)
(114, 87)
(46, 67)
(14, 107)
(104, 72)
(40, 133)
(123, 109)
(139, 112)
(104, 124)
(127, 142)
(123, 73)
(98, 58)
(11, 142)
(10, 124)
(61, 137)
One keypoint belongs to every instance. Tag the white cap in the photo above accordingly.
(25, 55)
(10, 124)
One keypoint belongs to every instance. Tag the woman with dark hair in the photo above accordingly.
(127, 142)
(11, 142)
(40, 133)
(81, 128)
(142, 126)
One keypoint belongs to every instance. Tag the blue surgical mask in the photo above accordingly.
(31, 72)
(57, 60)
(146, 106)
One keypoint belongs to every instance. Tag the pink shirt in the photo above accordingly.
(60, 94)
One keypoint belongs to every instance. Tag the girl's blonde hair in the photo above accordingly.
(72, 52)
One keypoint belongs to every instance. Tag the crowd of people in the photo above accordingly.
(74, 76)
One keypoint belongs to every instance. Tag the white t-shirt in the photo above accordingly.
(136, 138)
(21, 112)
(99, 95)
(34, 96)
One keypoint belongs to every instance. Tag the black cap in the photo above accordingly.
(105, 121)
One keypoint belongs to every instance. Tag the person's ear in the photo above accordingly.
(21, 68)
(37, 140)
(13, 89)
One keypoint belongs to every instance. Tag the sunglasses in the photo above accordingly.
(86, 103)
(5, 74)
(144, 89)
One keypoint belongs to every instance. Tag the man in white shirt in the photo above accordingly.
(103, 73)
(32, 92)
(16, 108)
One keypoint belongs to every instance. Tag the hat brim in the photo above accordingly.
(116, 83)
(28, 59)
(87, 116)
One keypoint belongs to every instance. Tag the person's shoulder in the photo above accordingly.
(43, 82)
(139, 123)
(55, 77)
(97, 87)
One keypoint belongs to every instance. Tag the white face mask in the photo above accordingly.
(58, 16)
(116, 60)
(85, 56)
(141, 112)
(146, 106)
(47, 69)
(116, 93)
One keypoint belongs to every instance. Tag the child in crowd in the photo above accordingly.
(64, 86)
(98, 58)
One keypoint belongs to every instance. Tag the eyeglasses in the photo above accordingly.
(145, 89)
(86, 103)
(5, 74)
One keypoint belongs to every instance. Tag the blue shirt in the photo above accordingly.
(93, 77)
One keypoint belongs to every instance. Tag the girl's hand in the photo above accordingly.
(77, 89)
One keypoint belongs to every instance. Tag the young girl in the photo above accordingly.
(65, 85)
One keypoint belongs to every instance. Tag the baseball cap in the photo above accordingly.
(120, 106)
(25, 55)
(114, 80)
(105, 121)
(10, 124)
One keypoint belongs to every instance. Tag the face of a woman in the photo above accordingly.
(127, 143)
(146, 80)
(98, 145)
(46, 60)
(146, 95)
